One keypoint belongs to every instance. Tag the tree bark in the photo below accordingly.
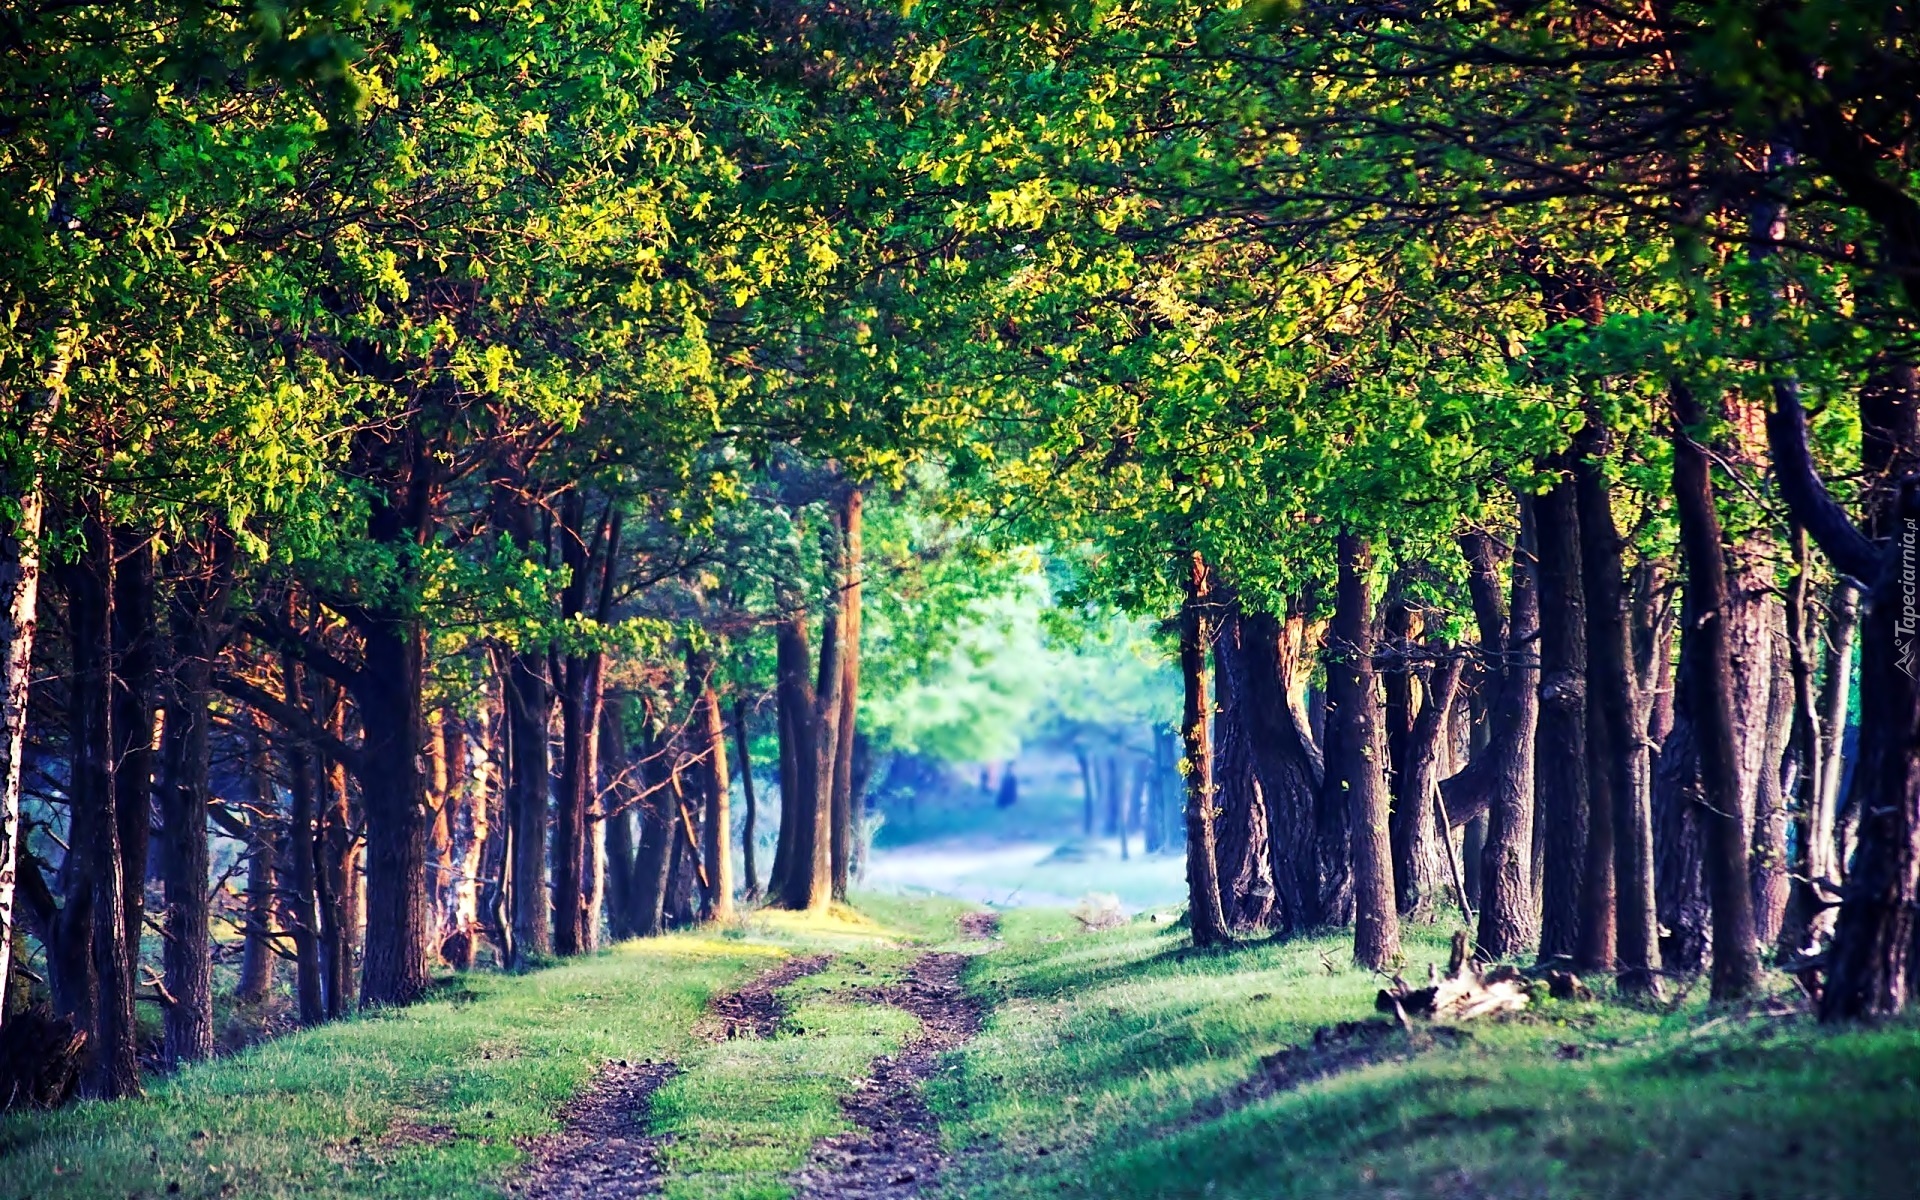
(1403, 679)
(1707, 674)
(1560, 745)
(1767, 860)
(577, 838)
(529, 695)
(846, 820)
(1507, 926)
(202, 573)
(787, 730)
(1872, 949)
(20, 484)
(717, 826)
(1242, 850)
(1262, 661)
(92, 921)
(1611, 738)
(302, 903)
(621, 846)
(1836, 699)
(748, 819)
(1206, 918)
(496, 848)
(808, 881)
(393, 793)
(339, 874)
(259, 962)
(818, 883)
(1419, 876)
(1812, 829)
(1357, 757)
(136, 684)
(655, 860)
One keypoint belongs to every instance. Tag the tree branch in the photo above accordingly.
(292, 718)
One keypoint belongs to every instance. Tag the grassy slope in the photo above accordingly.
(1087, 1080)
(490, 1061)
(1092, 1079)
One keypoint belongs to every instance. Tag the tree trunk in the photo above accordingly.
(846, 821)
(1809, 748)
(1868, 971)
(654, 860)
(302, 904)
(491, 905)
(22, 512)
(529, 721)
(1560, 745)
(1836, 702)
(1242, 851)
(1611, 738)
(579, 694)
(259, 961)
(93, 923)
(339, 869)
(1266, 659)
(1419, 877)
(750, 874)
(1680, 887)
(1767, 862)
(201, 570)
(1707, 675)
(1357, 758)
(1507, 925)
(1205, 916)
(393, 793)
(619, 822)
(684, 867)
(831, 690)
(1403, 679)
(808, 883)
(787, 730)
(710, 732)
(136, 684)
(1088, 801)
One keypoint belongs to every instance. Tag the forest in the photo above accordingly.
(512, 510)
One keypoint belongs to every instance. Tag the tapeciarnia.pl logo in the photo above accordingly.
(1909, 622)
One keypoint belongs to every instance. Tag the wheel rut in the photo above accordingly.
(895, 1150)
(603, 1150)
(755, 1010)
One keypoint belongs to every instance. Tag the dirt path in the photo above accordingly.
(603, 1150)
(754, 1010)
(895, 1151)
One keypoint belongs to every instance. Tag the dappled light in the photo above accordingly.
(879, 600)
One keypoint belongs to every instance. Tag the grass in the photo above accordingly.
(1099, 1074)
(336, 1111)
(744, 1113)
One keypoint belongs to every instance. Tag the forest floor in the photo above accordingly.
(911, 1049)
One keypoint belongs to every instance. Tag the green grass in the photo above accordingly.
(745, 1112)
(1099, 1074)
(490, 1060)
(1090, 1081)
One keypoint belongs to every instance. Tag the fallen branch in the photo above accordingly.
(1465, 993)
